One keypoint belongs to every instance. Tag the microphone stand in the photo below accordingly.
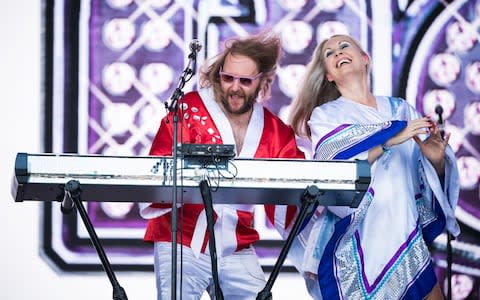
(72, 193)
(188, 73)
(439, 112)
(206, 192)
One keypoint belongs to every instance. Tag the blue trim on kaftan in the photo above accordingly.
(432, 230)
(328, 283)
(427, 276)
(348, 140)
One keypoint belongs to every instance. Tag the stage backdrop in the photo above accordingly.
(111, 65)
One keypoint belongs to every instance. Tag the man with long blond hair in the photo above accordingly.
(226, 109)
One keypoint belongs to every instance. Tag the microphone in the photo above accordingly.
(439, 112)
(441, 125)
(188, 73)
(195, 46)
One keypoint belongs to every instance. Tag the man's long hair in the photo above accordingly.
(264, 49)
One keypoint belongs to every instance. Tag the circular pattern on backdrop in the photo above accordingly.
(292, 4)
(156, 34)
(118, 77)
(157, 77)
(117, 118)
(472, 77)
(296, 36)
(460, 37)
(330, 5)
(329, 28)
(444, 68)
(118, 33)
(289, 78)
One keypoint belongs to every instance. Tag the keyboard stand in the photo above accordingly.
(72, 193)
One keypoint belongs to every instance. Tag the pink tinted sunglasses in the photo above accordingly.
(243, 80)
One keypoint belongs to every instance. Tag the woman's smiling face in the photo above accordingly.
(341, 56)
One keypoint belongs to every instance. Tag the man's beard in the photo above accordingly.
(247, 105)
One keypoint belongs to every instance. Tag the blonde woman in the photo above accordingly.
(380, 249)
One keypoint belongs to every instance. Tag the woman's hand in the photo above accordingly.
(434, 148)
(414, 127)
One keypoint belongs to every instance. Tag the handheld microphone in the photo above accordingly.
(441, 125)
(439, 112)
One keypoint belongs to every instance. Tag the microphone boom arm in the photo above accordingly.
(188, 73)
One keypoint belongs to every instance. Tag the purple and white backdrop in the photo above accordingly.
(129, 55)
